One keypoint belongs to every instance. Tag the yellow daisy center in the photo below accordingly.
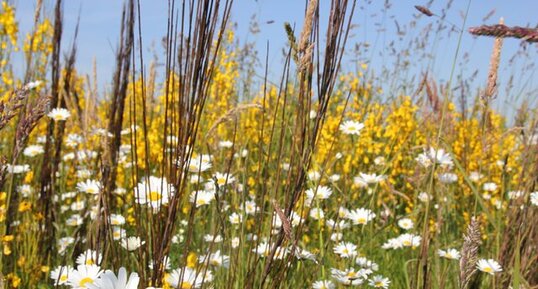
(155, 196)
(85, 281)
(488, 269)
(90, 261)
(361, 221)
(186, 285)
(63, 278)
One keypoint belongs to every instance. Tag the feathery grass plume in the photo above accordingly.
(9, 109)
(32, 114)
(491, 88)
(292, 41)
(469, 253)
(501, 30)
(424, 10)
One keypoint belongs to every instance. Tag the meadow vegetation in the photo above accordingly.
(205, 172)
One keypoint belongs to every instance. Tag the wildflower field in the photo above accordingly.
(200, 168)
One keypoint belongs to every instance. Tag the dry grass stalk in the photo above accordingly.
(49, 164)
(501, 30)
(469, 253)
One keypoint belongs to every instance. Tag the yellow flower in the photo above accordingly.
(24, 206)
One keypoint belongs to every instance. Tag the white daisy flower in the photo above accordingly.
(350, 276)
(351, 127)
(118, 233)
(165, 263)
(25, 190)
(489, 187)
(235, 218)
(188, 278)
(74, 220)
(59, 114)
(33, 84)
(33, 150)
(432, 155)
(117, 220)
(303, 254)
(534, 198)
(410, 240)
(475, 176)
(317, 214)
(64, 243)
(366, 264)
(250, 207)
(340, 225)
(201, 198)
(84, 276)
(17, 169)
(223, 179)
(360, 216)
(406, 223)
(314, 176)
(368, 179)
(153, 191)
(89, 186)
(319, 193)
(200, 163)
(451, 254)
(90, 257)
(379, 282)
(73, 140)
(345, 250)
(132, 243)
(216, 259)
(448, 178)
(108, 280)
(424, 197)
(60, 275)
(323, 284)
(225, 144)
(489, 266)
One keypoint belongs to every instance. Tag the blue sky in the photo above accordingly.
(99, 29)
